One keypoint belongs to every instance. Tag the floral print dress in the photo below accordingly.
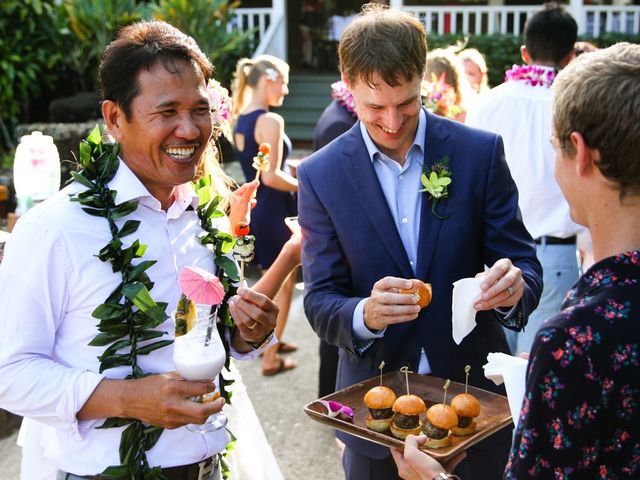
(580, 418)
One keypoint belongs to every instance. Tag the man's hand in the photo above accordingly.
(414, 464)
(160, 400)
(387, 306)
(502, 286)
(255, 315)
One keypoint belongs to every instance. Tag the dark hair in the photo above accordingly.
(142, 46)
(550, 34)
(583, 95)
(383, 42)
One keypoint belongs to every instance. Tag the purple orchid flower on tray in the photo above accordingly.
(336, 409)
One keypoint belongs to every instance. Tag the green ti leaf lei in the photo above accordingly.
(130, 315)
(227, 271)
(436, 183)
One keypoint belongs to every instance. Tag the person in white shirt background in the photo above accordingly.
(520, 111)
(156, 107)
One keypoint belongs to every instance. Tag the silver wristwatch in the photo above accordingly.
(445, 476)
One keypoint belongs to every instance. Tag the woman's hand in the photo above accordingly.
(242, 200)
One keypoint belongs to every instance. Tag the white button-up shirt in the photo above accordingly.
(51, 281)
(521, 114)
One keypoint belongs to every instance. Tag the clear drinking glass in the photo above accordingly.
(200, 355)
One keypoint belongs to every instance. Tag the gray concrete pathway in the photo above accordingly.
(303, 448)
(9, 458)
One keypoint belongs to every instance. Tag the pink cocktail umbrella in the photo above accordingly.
(201, 286)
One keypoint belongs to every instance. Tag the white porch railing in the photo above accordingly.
(275, 40)
(593, 20)
(601, 19)
(256, 20)
(476, 20)
(270, 29)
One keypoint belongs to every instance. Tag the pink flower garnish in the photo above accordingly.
(336, 409)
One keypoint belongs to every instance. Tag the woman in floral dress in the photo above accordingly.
(581, 414)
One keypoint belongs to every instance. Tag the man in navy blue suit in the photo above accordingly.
(338, 117)
(367, 231)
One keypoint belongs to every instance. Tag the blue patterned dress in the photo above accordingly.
(580, 418)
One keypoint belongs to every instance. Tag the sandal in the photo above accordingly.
(283, 365)
(285, 347)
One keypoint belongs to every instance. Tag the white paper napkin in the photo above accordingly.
(466, 292)
(512, 371)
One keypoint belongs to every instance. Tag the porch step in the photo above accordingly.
(308, 95)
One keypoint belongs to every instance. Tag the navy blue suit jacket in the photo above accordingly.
(350, 242)
(334, 121)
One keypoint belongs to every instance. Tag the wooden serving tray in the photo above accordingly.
(494, 411)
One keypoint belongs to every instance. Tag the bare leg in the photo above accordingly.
(270, 359)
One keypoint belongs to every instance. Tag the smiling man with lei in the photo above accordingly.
(100, 261)
(370, 226)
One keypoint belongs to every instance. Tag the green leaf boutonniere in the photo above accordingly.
(436, 182)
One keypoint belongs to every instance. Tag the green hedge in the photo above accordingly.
(31, 46)
(51, 48)
(501, 52)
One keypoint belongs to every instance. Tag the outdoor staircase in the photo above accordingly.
(309, 94)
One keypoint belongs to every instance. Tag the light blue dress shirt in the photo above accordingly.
(401, 187)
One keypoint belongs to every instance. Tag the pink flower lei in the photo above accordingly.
(220, 108)
(342, 95)
(533, 75)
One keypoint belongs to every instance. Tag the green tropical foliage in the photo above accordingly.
(93, 24)
(30, 49)
(206, 21)
(51, 48)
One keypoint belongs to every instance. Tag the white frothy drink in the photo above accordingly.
(195, 361)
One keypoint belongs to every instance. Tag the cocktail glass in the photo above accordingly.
(199, 355)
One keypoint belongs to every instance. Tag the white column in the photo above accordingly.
(278, 8)
(396, 4)
(576, 7)
(279, 11)
(493, 23)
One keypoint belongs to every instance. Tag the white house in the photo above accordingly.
(273, 20)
